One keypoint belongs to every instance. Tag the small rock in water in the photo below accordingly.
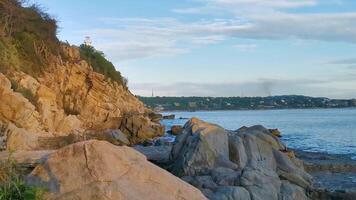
(176, 130)
(169, 117)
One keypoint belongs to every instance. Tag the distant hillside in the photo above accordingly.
(243, 103)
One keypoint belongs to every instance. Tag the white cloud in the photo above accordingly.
(135, 38)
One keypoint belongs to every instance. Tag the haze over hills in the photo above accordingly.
(244, 103)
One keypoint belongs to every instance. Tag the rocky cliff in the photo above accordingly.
(68, 98)
(48, 89)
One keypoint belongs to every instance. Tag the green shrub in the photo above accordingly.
(100, 64)
(28, 37)
(12, 186)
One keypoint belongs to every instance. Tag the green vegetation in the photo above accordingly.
(12, 186)
(244, 103)
(100, 64)
(27, 37)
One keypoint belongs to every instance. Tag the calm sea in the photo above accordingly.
(317, 130)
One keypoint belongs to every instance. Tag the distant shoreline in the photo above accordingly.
(244, 103)
(320, 108)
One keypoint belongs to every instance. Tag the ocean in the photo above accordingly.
(316, 130)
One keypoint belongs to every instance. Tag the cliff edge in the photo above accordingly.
(50, 89)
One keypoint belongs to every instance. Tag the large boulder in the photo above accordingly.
(200, 147)
(249, 163)
(99, 170)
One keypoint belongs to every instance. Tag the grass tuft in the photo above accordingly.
(12, 185)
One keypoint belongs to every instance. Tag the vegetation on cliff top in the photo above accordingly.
(100, 64)
(29, 43)
(27, 37)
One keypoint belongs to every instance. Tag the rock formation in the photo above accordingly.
(68, 98)
(250, 163)
(100, 170)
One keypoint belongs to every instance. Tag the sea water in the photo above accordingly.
(317, 130)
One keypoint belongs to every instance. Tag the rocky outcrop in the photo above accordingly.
(17, 109)
(100, 170)
(68, 98)
(250, 163)
(139, 128)
(155, 117)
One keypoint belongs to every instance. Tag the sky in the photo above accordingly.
(220, 47)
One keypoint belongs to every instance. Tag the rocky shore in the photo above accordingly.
(204, 162)
(334, 175)
(249, 163)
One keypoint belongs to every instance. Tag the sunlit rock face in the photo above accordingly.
(69, 97)
(100, 170)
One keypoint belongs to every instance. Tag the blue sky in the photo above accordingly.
(221, 47)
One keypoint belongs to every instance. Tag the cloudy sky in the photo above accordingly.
(221, 47)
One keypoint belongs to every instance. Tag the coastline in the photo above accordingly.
(269, 109)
